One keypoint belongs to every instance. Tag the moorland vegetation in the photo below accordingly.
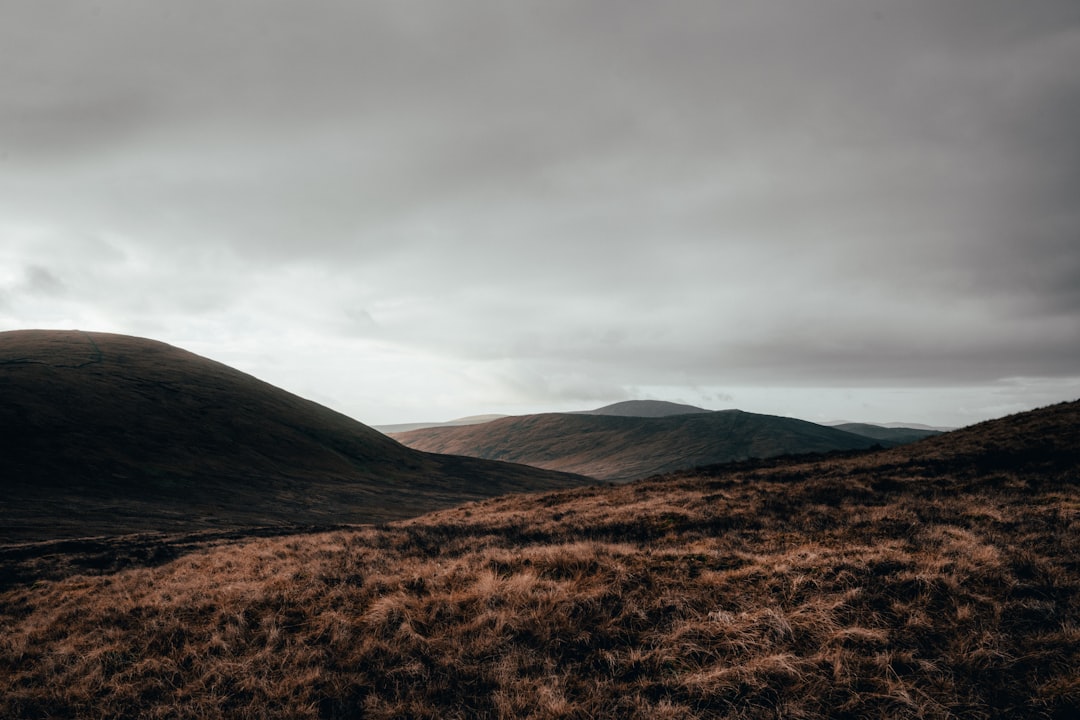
(936, 580)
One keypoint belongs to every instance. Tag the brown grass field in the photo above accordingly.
(936, 580)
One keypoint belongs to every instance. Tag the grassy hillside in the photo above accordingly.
(106, 434)
(937, 580)
(620, 448)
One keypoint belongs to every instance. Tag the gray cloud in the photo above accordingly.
(556, 200)
(40, 281)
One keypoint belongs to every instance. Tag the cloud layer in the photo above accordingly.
(415, 208)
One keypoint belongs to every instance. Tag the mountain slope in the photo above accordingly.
(934, 580)
(618, 448)
(104, 433)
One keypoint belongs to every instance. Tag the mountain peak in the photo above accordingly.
(645, 408)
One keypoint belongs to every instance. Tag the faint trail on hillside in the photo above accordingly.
(98, 357)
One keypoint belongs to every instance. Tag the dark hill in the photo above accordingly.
(624, 448)
(645, 408)
(102, 434)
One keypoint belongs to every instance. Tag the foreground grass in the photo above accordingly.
(925, 583)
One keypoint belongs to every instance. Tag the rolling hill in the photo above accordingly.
(622, 447)
(105, 434)
(645, 408)
(933, 580)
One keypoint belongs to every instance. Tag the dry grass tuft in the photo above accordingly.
(918, 585)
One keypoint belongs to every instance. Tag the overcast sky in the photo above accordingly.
(423, 209)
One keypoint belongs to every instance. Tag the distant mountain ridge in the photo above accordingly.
(645, 408)
(405, 427)
(621, 448)
(890, 432)
(626, 408)
(898, 434)
(893, 425)
(104, 434)
(917, 426)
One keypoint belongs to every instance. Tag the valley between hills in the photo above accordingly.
(181, 540)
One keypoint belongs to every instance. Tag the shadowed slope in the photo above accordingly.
(932, 581)
(623, 448)
(105, 433)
